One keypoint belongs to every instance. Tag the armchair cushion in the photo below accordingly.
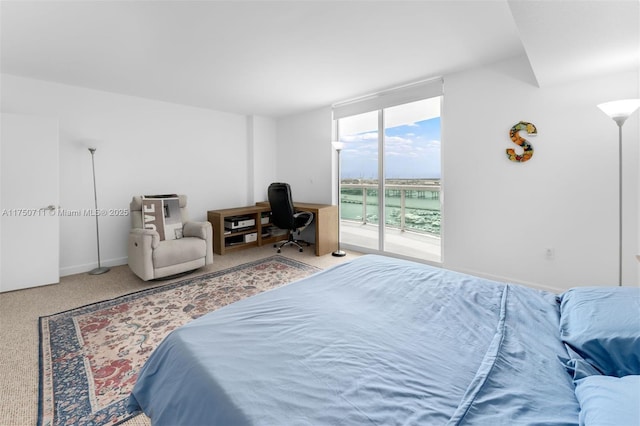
(173, 252)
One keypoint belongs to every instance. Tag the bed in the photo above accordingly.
(382, 341)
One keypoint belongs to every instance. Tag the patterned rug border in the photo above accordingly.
(149, 291)
(153, 290)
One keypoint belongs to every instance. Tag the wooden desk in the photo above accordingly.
(325, 221)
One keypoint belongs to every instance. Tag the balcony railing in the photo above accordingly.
(414, 207)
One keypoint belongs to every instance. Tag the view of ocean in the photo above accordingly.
(421, 210)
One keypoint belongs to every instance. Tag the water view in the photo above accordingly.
(419, 210)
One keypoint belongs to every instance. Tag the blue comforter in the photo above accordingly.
(375, 341)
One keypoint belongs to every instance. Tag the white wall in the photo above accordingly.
(144, 147)
(638, 247)
(263, 148)
(501, 216)
(305, 155)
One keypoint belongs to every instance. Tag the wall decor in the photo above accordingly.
(519, 140)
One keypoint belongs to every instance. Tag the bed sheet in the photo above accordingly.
(377, 341)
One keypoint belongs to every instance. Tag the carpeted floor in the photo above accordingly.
(20, 310)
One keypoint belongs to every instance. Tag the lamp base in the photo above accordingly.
(99, 271)
(338, 253)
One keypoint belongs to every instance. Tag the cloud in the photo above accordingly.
(411, 151)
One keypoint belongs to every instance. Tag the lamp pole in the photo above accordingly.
(338, 147)
(619, 123)
(100, 269)
(619, 111)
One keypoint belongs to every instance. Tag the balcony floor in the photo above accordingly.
(407, 244)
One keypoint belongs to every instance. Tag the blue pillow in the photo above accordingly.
(602, 325)
(606, 400)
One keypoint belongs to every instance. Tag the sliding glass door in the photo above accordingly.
(390, 179)
(359, 179)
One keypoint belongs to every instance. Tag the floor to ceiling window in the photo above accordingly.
(390, 172)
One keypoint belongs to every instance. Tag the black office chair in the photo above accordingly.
(284, 216)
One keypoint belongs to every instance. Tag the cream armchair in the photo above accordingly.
(150, 258)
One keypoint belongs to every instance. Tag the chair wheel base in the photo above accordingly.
(291, 242)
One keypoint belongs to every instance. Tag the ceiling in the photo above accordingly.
(278, 58)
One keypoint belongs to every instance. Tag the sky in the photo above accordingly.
(412, 151)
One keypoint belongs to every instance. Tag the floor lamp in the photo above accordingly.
(338, 147)
(619, 111)
(100, 269)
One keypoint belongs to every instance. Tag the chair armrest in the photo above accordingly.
(141, 244)
(145, 237)
(196, 229)
(201, 230)
(309, 218)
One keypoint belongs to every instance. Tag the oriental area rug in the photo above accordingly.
(90, 356)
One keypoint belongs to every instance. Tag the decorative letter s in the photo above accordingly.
(515, 137)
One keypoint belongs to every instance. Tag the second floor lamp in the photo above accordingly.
(338, 147)
(619, 111)
(100, 269)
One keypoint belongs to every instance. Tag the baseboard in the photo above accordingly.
(499, 278)
(79, 269)
(484, 275)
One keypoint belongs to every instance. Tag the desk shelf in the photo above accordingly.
(226, 242)
(325, 221)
